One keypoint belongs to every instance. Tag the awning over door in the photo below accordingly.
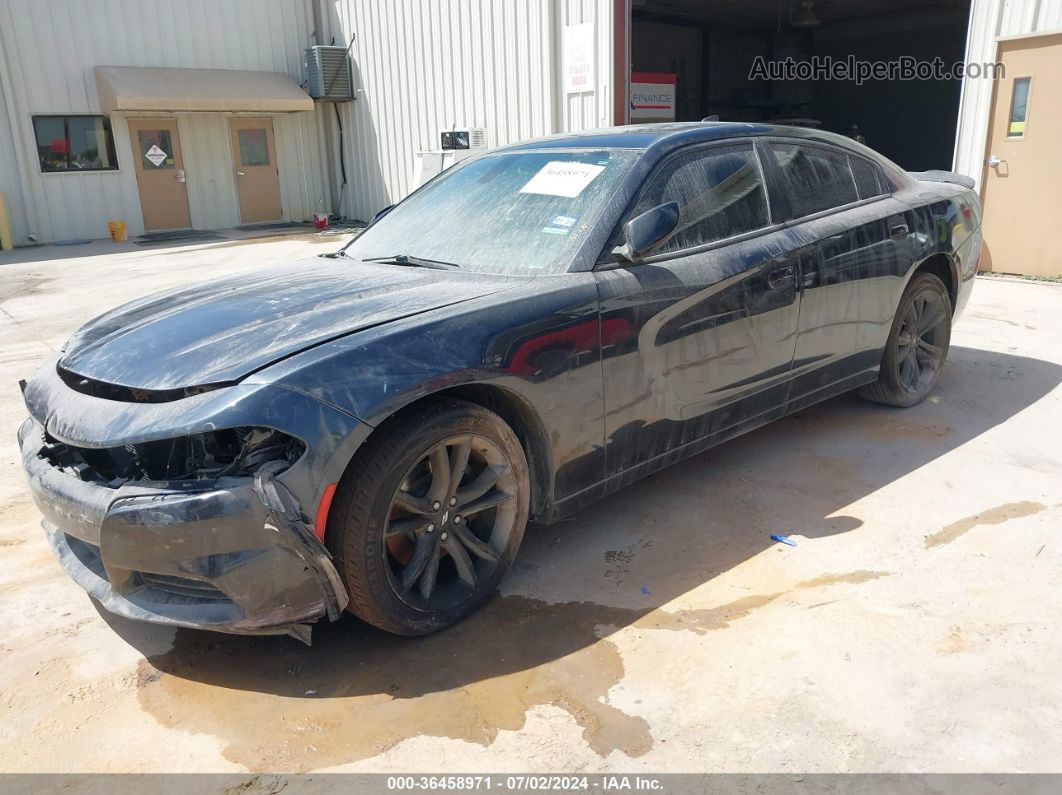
(155, 88)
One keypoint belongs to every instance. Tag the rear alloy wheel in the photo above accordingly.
(917, 346)
(430, 516)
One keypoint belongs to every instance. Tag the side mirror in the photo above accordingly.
(645, 232)
(381, 214)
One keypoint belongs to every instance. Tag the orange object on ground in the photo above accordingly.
(117, 231)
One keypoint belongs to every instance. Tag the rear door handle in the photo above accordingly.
(900, 230)
(780, 278)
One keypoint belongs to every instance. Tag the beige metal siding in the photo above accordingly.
(50, 48)
(420, 67)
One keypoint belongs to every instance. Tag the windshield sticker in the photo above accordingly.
(561, 225)
(559, 178)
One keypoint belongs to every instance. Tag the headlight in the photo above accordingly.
(225, 453)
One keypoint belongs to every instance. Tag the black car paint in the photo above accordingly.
(610, 371)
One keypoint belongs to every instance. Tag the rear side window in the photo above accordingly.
(719, 192)
(816, 179)
(868, 179)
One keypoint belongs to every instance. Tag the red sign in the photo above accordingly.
(653, 95)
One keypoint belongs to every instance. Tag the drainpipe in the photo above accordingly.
(322, 35)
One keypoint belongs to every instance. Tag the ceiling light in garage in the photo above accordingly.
(805, 17)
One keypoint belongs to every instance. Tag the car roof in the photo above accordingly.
(669, 135)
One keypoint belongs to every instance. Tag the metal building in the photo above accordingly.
(91, 131)
(83, 111)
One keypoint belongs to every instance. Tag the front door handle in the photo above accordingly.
(900, 230)
(782, 277)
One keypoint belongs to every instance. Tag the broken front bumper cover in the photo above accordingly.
(232, 554)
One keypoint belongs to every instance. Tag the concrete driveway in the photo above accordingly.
(914, 627)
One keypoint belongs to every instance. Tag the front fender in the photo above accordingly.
(541, 345)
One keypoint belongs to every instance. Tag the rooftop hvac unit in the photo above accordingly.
(328, 74)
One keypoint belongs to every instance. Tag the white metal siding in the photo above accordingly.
(424, 66)
(589, 109)
(10, 172)
(420, 67)
(50, 48)
(990, 20)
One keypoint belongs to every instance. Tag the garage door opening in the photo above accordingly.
(708, 50)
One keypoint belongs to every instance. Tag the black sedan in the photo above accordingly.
(535, 328)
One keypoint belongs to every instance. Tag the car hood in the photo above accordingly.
(220, 332)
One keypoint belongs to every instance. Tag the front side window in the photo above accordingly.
(719, 192)
(816, 179)
(74, 143)
(510, 213)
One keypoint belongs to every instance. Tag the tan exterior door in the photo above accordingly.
(257, 178)
(160, 173)
(1022, 187)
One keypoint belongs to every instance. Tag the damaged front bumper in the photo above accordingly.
(228, 554)
(232, 554)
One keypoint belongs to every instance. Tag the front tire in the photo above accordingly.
(917, 345)
(429, 516)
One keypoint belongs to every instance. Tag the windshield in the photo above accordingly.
(511, 213)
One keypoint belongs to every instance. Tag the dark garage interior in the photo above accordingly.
(711, 46)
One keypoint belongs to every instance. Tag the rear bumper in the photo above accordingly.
(232, 555)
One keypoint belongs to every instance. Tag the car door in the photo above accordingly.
(709, 319)
(841, 218)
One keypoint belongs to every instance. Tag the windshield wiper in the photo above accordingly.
(415, 262)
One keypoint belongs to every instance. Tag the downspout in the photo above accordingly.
(322, 34)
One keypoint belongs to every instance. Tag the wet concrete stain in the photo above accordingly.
(997, 515)
(358, 692)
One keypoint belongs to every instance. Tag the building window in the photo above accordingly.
(74, 143)
(1019, 107)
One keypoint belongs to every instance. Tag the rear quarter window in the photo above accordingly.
(868, 178)
(816, 179)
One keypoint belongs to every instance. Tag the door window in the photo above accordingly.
(1019, 107)
(719, 193)
(816, 179)
(254, 147)
(156, 149)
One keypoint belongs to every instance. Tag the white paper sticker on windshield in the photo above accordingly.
(559, 178)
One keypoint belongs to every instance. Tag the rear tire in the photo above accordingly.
(411, 561)
(917, 346)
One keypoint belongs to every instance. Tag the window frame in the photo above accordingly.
(781, 186)
(605, 262)
(112, 150)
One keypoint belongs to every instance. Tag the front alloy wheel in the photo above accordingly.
(450, 522)
(428, 517)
